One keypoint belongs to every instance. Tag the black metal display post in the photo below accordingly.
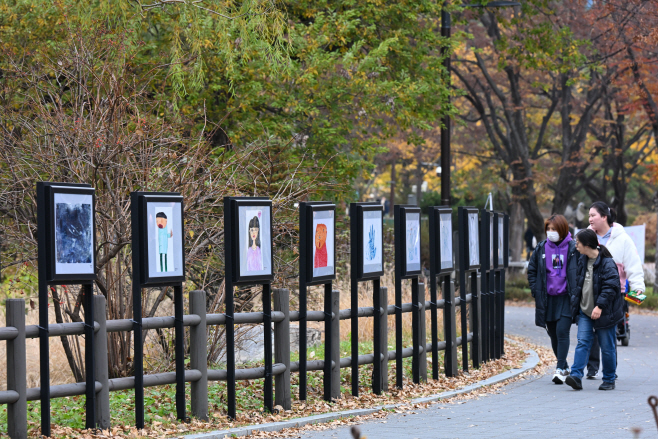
(238, 271)
(487, 296)
(442, 267)
(51, 272)
(365, 269)
(501, 262)
(407, 219)
(310, 275)
(145, 275)
(469, 263)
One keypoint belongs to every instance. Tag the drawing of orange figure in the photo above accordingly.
(320, 246)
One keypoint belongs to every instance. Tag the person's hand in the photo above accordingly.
(596, 313)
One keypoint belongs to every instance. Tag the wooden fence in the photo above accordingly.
(277, 366)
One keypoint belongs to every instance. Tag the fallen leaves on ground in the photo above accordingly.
(167, 428)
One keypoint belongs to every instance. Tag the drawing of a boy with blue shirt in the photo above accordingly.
(163, 239)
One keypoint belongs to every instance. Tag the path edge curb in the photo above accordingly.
(530, 363)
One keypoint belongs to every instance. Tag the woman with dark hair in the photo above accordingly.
(596, 305)
(623, 251)
(552, 276)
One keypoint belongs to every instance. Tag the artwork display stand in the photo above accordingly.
(233, 277)
(143, 278)
(487, 292)
(501, 262)
(48, 275)
(358, 274)
(468, 271)
(444, 273)
(404, 271)
(306, 279)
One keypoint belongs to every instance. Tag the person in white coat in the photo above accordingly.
(625, 255)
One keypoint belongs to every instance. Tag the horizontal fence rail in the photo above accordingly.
(16, 332)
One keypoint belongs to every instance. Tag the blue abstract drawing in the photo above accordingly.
(73, 233)
(371, 251)
(413, 247)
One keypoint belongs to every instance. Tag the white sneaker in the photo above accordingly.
(560, 376)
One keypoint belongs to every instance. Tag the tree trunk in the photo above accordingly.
(393, 177)
(655, 282)
(516, 232)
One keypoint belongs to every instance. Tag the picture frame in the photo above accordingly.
(441, 248)
(320, 241)
(471, 243)
(409, 246)
(486, 240)
(506, 240)
(251, 240)
(499, 236)
(160, 222)
(369, 243)
(70, 237)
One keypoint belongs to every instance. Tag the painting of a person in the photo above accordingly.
(254, 254)
(320, 259)
(163, 239)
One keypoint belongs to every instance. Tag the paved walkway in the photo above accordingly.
(535, 407)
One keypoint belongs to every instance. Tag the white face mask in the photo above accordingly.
(553, 236)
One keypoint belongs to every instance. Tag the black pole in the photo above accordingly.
(302, 331)
(447, 318)
(415, 328)
(179, 334)
(328, 341)
(434, 221)
(230, 309)
(476, 343)
(445, 129)
(462, 216)
(138, 360)
(377, 314)
(399, 371)
(354, 297)
(267, 338)
(44, 347)
(90, 379)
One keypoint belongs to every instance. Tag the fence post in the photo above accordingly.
(16, 370)
(199, 356)
(101, 371)
(476, 320)
(282, 348)
(335, 346)
(450, 328)
(422, 359)
(383, 337)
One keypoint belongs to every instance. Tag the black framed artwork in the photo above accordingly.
(442, 225)
(162, 237)
(71, 236)
(473, 239)
(252, 240)
(499, 237)
(410, 245)
(320, 241)
(370, 241)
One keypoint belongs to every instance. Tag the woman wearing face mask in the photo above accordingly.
(597, 307)
(552, 276)
(624, 253)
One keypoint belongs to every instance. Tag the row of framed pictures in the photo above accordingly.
(493, 231)
(160, 224)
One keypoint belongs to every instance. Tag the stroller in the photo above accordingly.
(624, 327)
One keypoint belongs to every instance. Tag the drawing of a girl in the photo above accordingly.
(320, 246)
(254, 255)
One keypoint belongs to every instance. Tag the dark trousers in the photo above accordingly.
(558, 331)
(595, 357)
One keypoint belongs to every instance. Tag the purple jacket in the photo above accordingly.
(556, 266)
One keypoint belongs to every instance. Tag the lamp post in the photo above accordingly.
(446, 199)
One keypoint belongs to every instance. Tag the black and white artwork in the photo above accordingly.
(164, 238)
(255, 240)
(501, 237)
(491, 239)
(445, 235)
(473, 240)
(412, 238)
(372, 241)
(74, 233)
